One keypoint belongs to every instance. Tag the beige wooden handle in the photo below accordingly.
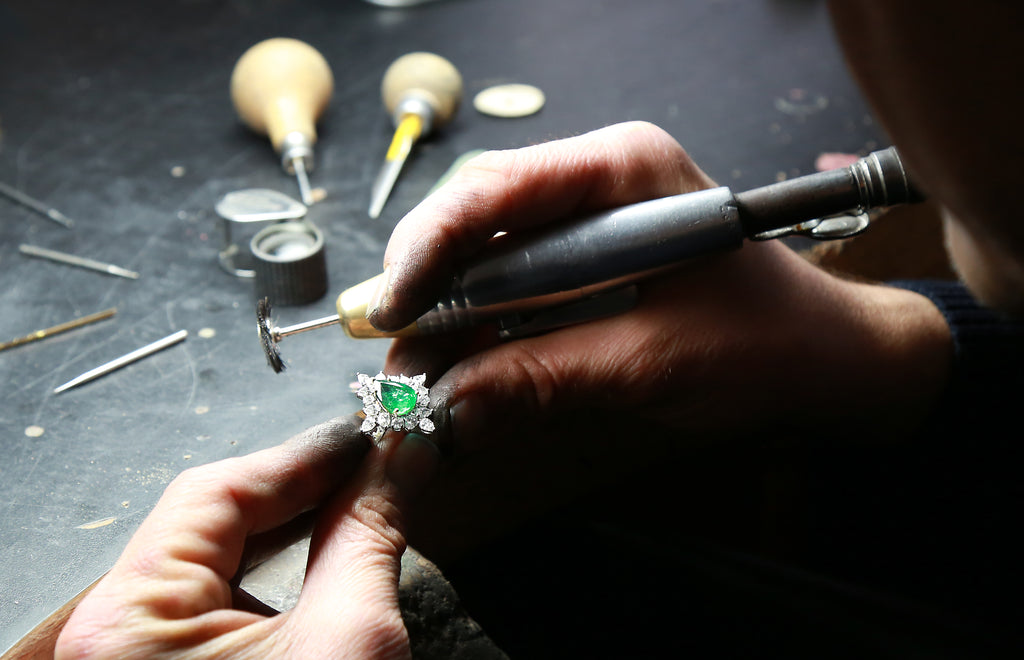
(427, 76)
(281, 86)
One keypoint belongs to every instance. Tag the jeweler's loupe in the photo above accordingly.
(289, 263)
(244, 213)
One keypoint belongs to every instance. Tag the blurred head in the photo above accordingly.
(943, 80)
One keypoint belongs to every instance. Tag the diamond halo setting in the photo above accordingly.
(398, 403)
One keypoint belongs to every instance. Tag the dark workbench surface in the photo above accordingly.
(117, 113)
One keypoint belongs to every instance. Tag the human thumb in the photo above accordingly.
(349, 601)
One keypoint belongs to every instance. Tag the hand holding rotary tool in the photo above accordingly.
(541, 276)
(749, 338)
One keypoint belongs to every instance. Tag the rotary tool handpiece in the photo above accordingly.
(516, 276)
(567, 272)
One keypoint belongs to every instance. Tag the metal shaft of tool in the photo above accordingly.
(409, 130)
(877, 180)
(302, 176)
(113, 365)
(59, 328)
(81, 262)
(277, 334)
(36, 205)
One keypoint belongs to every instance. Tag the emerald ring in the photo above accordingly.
(399, 403)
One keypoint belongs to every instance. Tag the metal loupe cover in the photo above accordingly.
(243, 214)
(289, 263)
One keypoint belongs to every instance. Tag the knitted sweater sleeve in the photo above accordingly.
(948, 501)
(986, 386)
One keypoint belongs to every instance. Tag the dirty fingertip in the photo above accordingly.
(379, 299)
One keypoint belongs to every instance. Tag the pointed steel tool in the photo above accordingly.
(72, 260)
(36, 205)
(113, 365)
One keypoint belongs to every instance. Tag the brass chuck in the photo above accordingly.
(352, 305)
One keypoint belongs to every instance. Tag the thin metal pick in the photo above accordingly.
(59, 328)
(113, 365)
(36, 205)
(73, 260)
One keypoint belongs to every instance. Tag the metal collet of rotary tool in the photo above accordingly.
(577, 270)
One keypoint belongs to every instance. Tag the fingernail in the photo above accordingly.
(467, 423)
(413, 464)
(379, 296)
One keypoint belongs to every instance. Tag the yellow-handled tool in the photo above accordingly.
(421, 92)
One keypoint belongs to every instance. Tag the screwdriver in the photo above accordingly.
(421, 92)
(279, 88)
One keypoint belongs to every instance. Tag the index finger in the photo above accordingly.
(508, 191)
(178, 563)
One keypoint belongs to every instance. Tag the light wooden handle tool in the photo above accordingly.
(280, 88)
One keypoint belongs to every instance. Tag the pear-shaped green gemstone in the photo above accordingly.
(397, 398)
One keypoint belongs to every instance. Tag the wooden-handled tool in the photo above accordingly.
(280, 87)
(421, 92)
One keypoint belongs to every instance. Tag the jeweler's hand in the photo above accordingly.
(754, 338)
(173, 592)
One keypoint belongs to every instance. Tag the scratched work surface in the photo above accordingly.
(117, 114)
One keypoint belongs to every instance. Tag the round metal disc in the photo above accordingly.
(513, 100)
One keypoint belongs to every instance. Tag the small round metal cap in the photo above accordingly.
(290, 263)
